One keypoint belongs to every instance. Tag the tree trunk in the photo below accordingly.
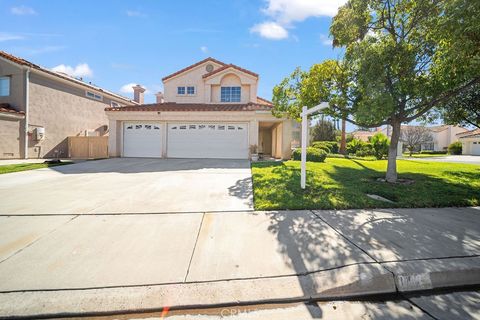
(391, 175)
(343, 140)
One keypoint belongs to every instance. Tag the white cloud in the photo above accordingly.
(5, 36)
(128, 88)
(135, 13)
(81, 70)
(288, 11)
(284, 13)
(270, 30)
(325, 40)
(204, 49)
(22, 11)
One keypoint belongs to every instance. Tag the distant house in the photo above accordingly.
(209, 110)
(40, 108)
(442, 136)
(470, 142)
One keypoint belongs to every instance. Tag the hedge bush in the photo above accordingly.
(328, 146)
(455, 148)
(313, 154)
(365, 151)
(354, 146)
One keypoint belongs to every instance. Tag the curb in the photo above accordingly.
(349, 281)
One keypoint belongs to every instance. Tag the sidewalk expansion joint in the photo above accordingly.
(38, 239)
(194, 247)
(357, 246)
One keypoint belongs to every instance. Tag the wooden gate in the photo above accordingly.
(88, 147)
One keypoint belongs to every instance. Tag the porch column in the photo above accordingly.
(254, 132)
(112, 138)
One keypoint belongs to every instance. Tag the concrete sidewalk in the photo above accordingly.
(94, 264)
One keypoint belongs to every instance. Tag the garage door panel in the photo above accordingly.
(142, 140)
(208, 140)
(476, 148)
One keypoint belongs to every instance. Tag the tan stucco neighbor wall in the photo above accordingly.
(63, 111)
(116, 120)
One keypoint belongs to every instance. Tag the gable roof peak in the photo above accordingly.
(193, 66)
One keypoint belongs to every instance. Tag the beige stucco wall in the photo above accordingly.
(208, 90)
(192, 77)
(63, 110)
(116, 120)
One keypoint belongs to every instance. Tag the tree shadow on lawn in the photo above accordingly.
(347, 188)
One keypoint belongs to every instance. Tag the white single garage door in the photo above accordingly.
(475, 148)
(142, 139)
(207, 140)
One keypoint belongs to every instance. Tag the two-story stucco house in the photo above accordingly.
(40, 108)
(208, 110)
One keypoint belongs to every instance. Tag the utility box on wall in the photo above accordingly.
(39, 134)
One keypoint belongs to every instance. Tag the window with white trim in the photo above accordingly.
(114, 104)
(181, 91)
(93, 95)
(4, 86)
(230, 94)
(190, 90)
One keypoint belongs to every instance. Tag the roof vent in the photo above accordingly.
(209, 67)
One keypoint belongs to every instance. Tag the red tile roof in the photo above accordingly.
(229, 66)
(467, 134)
(24, 62)
(6, 108)
(172, 107)
(193, 66)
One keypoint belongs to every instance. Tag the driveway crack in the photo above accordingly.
(194, 247)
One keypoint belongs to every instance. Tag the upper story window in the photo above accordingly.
(188, 90)
(4, 86)
(230, 94)
(93, 95)
(114, 104)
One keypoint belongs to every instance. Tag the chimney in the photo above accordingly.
(159, 96)
(138, 93)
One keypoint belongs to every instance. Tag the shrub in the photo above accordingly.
(354, 146)
(365, 151)
(313, 154)
(455, 148)
(328, 146)
(380, 145)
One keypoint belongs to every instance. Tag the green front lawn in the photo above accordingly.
(28, 166)
(344, 183)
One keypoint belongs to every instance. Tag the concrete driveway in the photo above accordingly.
(456, 159)
(130, 185)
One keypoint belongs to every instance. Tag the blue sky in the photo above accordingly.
(115, 43)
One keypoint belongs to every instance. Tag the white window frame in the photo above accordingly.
(93, 95)
(184, 91)
(230, 94)
(9, 84)
(191, 94)
(114, 104)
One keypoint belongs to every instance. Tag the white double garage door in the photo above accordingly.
(185, 140)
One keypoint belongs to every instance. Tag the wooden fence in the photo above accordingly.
(88, 147)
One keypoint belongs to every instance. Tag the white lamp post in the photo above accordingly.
(304, 114)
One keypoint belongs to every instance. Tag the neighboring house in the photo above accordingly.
(208, 110)
(40, 108)
(363, 135)
(470, 142)
(442, 136)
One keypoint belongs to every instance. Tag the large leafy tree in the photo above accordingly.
(405, 57)
(463, 109)
(326, 81)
